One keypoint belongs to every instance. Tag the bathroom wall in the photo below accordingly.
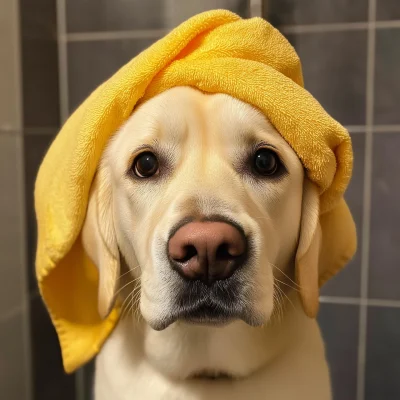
(14, 315)
(350, 52)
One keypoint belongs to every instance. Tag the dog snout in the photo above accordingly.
(207, 251)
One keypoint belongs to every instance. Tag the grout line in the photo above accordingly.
(62, 59)
(256, 8)
(52, 130)
(25, 307)
(386, 128)
(356, 128)
(40, 130)
(114, 35)
(386, 24)
(20, 205)
(366, 229)
(384, 303)
(360, 302)
(80, 384)
(10, 131)
(340, 27)
(340, 300)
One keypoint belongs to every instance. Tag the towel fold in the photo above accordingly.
(215, 52)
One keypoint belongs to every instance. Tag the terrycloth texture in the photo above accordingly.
(215, 51)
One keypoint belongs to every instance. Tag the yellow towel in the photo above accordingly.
(215, 51)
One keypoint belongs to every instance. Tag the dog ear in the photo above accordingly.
(308, 250)
(99, 240)
(327, 243)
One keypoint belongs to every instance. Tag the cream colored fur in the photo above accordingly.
(205, 140)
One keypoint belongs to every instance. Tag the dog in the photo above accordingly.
(196, 216)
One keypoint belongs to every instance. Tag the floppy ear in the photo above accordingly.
(327, 243)
(308, 250)
(99, 240)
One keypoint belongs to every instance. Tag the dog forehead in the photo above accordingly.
(184, 114)
(166, 117)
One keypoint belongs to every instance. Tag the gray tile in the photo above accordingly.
(35, 147)
(384, 272)
(89, 370)
(116, 15)
(294, 12)
(347, 282)
(39, 63)
(383, 354)
(176, 11)
(49, 379)
(334, 68)
(387, 83)
(11, 234)
(91, 63)
(339, 326)
(9, 72)
(13, 364)
(387, 10)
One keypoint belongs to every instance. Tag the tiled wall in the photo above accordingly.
(351, 58)
(14, 335)
(41, 120)
(350, 52)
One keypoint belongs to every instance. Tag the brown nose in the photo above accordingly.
(207, 251)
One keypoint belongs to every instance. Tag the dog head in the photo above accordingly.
(210, 210)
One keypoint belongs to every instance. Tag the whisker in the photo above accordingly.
(288, 277)
(133, 295)
(136, 306)
(277, 310)
(125, 305)
(127, 272)
(129, 283)
(286, 284)
(287, 297)
(127, 302)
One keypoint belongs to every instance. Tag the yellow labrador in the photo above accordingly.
(206, 206)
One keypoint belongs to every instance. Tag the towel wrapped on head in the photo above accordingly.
(215, 52)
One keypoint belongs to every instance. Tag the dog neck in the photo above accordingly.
(186, 362)
(184, 351)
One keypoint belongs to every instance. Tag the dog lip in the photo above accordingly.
(208, 314)
(201, 316)
(203, 313)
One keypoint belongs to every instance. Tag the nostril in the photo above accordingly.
(224, 252)
(188, 253)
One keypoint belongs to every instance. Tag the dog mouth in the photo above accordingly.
(211, 376)
(203, 313)
(217, 305)
(208, 313)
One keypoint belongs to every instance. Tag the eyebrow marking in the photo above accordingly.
(267, 144)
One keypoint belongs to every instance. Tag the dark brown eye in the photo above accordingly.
(266, 162)
(145, 165)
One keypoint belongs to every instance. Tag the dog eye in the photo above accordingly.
(145, 165)
(266, 162)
